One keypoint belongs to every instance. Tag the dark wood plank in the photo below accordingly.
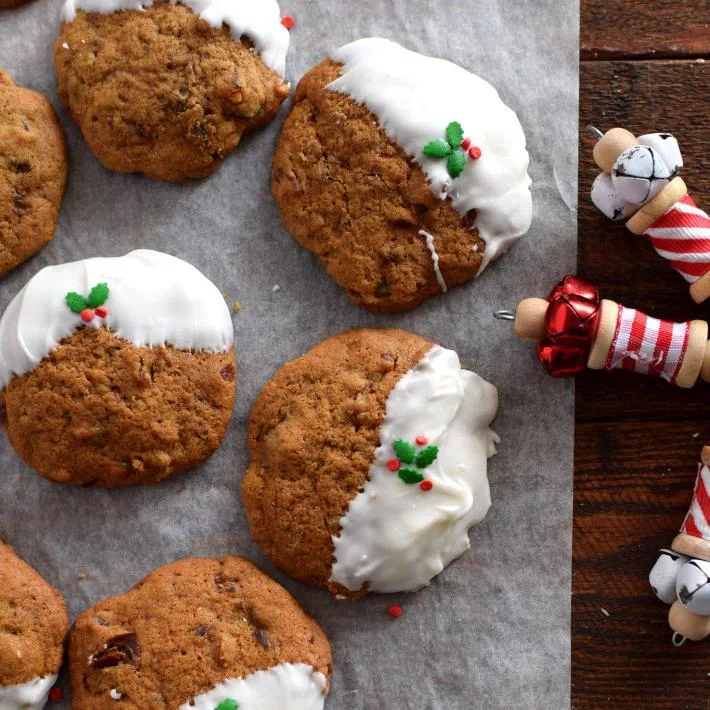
(644, 29)
(637, 440)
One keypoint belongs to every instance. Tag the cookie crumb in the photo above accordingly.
(237, 306)
(82, 575)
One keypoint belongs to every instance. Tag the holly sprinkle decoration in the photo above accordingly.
(89, 307)
(227, 704)
(454, 149)
(414, 459)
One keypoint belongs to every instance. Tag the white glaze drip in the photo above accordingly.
(435, 258)
(396, 537)
(259, 20)
(27, 696)
(155, 299)
(415, 98)
(288, 686)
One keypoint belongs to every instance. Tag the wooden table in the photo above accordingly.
(637, 440)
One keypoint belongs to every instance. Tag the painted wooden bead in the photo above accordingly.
(667, 147)
(693, 587)
(639, 174)
(608, 201)
(664, 573)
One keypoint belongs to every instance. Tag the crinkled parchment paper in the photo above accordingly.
(493, 630)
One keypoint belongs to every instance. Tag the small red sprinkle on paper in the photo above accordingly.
(288, 22)
(426, 485)
(394, 610)
(101, 312)
(422, 440)
(475, 152)
(56, 694)
(466, 143)
(393, 465)
(87, 315)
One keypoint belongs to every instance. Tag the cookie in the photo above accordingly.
(33, 623)
(201, 634)
(169, 89)
(353, 181)
(33, 172)
(368, 462)
(117, 371)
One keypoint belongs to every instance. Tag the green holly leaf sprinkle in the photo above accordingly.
(410, 476)
(454, 134)
(427, 456)
(76, 302)
(98, 295)
(228, 704)
(406, 453)
(437, 149)
(456, 163)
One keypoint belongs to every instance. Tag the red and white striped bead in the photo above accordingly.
(647, 345)
(682, 235)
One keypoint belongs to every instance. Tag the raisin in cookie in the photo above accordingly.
(117, 371)
(168, 89)
(199, 634)
(368, 462)
(33, 623)
(33, 172)
(405, 175)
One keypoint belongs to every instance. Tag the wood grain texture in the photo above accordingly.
(654, 29)
(637, 440)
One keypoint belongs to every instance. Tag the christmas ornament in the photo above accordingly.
(681, 575)
(640, 185)
(575, 329)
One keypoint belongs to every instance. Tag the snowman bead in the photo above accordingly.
(662, 577)
(693, 587)
(608, 201)
(667, 147)
(639, 174)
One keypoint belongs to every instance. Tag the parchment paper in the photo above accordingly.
(493, 630)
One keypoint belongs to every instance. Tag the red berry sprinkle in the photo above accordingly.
(466, 143)
(394, 610)
(56, 694)
(288, 22)
(101, 312)
(475, 152)
(426, 485)
(422, 440)
(87, 315)
(393, 465)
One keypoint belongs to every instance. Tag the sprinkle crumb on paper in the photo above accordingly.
(696, 435)
(65, 45)
(276, 288)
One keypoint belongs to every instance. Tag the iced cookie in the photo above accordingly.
(203, 634)
(33, 172)
(33, 623)
(369, 457)
(117, 371)
(168, 89)
(405, 175)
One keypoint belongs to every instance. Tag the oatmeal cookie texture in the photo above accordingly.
(169, 89)
(369, 462)
(33, 172)
(117, 371)
(200, 633)
(404, 174)
(33, 624)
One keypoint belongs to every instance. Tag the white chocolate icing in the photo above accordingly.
(27, 696)
(259, 20)
(434, 258)
(415, 98)
(155, 299)
(396, 537)
(288, 686)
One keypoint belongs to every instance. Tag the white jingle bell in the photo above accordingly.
(693, 587)
(639, 174)
(667, 147)
(664, 573)
(608, 201)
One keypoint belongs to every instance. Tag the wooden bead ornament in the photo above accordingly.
(576, 329)
(639, 185)
(681, 575)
